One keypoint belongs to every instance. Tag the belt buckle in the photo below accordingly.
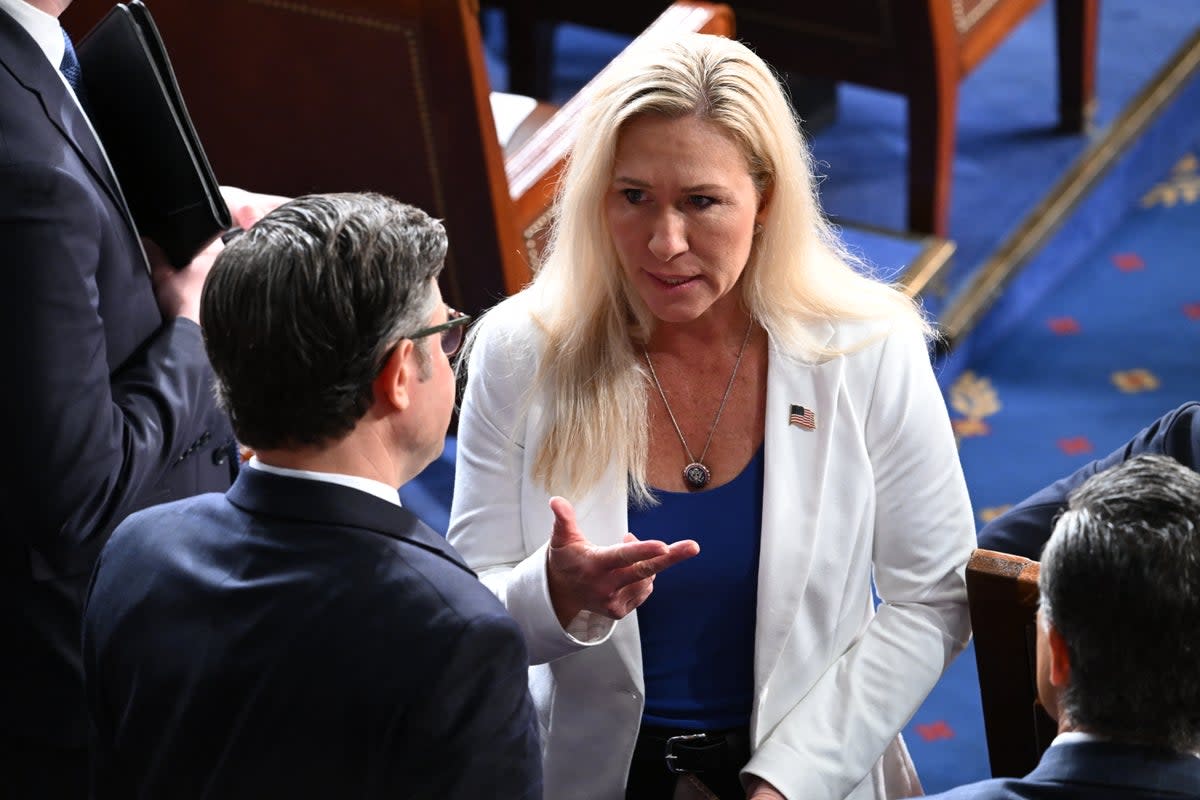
(671, 757)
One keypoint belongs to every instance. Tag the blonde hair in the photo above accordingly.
(581, 299)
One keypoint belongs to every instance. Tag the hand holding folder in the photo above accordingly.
(178, 289)
(136, 107)
(247, 208)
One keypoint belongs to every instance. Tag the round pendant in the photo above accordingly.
(696, 475)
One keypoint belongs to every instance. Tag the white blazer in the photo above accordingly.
(876, 489)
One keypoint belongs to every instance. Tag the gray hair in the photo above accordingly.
(1120, 580)
(302, 310)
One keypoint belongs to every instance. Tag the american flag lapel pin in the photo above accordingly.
(803, 418)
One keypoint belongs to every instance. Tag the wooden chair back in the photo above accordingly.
(1002, 590)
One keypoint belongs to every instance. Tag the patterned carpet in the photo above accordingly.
(1111, 348)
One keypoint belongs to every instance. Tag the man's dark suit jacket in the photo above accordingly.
(1025, 528)
(295, 638)
(1094, 771)
(107, 408)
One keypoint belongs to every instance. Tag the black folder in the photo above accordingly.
(138, 112)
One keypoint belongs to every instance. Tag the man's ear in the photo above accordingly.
(391, 384)
(1060, 658)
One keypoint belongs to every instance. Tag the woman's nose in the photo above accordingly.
(668, 238)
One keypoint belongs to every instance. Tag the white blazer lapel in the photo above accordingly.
(795, 463)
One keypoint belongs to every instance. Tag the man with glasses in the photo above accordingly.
(303, 635)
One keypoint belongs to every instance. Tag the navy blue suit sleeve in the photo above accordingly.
(88, 438)
(1024, 529)
(480, 719)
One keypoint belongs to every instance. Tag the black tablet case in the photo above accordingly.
(138, 112)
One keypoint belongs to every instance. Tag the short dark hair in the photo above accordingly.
(300, 312)
(1120, 580)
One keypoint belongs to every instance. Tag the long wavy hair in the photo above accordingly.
(591, 316)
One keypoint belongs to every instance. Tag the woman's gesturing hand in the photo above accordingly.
(762, 790)
(610, 580)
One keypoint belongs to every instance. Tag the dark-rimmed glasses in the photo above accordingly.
(452, 331)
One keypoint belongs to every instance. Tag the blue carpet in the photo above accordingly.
(1098, 335)
(1104, 352)
(1134, 173)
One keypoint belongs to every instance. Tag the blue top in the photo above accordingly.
(697, 627)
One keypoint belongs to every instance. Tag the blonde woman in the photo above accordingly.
(698, 362)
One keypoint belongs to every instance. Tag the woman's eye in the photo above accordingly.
(701, 201)
(634, 196)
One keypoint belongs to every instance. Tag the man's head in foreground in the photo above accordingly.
(318, 323)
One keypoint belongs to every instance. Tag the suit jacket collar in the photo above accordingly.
(302, 500)
(1115, 764)
(24, 59)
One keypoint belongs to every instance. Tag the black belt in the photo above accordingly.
(692, 750)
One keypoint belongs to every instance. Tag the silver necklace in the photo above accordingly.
(696, 474)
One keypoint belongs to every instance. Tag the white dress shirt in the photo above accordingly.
(46, 31)
(378, 488)
(1073, 737)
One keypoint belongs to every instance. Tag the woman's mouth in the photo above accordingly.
(673, 280)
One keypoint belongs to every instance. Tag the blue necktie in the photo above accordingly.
(70, 67)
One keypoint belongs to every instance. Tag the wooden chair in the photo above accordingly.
(921, 49)
(1002, 591)
(299, 96)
